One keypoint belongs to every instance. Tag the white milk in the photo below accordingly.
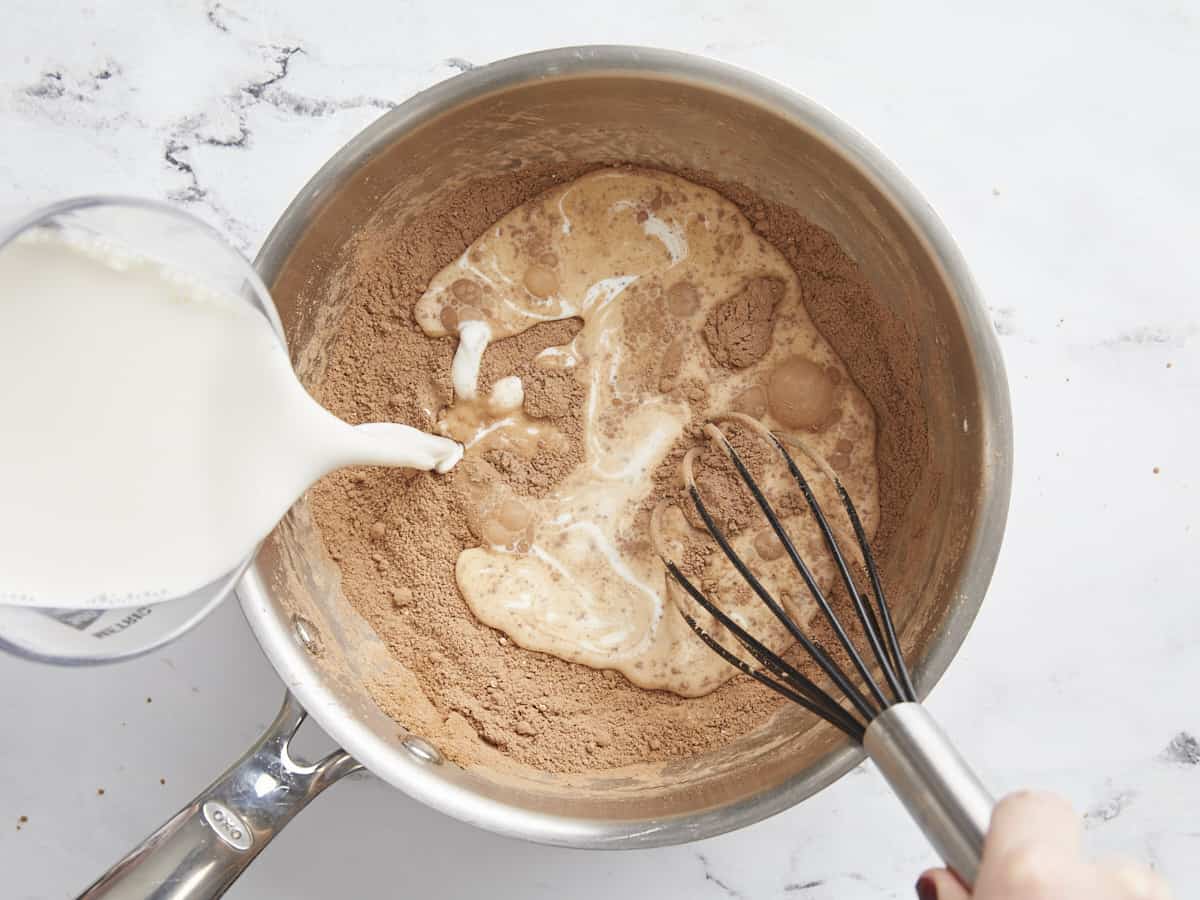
(151, 433)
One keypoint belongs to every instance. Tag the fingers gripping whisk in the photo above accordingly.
(869, 604)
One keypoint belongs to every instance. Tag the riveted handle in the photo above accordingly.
(201, 851)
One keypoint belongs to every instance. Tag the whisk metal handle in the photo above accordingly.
(941, 792)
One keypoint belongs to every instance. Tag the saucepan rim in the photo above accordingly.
(277, 634)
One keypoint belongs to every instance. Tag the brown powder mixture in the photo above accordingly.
(396, 534)
(738, 332)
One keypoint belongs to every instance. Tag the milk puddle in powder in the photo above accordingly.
(153, 431)
(686, 313)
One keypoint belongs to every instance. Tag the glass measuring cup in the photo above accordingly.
(183, 243)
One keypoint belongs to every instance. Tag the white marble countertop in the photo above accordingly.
(1060, 143)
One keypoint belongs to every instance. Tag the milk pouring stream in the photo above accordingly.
(151, 432)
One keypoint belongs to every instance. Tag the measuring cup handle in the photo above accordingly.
(201, 851)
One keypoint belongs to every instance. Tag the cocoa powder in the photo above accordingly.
(396, 534)
(738, 332)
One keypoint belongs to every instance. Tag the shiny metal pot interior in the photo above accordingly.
(655, 107)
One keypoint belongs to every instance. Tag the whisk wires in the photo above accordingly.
(871, 611)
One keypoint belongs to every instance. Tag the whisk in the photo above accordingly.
(923, 768)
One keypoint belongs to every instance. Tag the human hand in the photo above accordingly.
(1034, 851)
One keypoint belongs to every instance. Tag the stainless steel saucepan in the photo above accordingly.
(599, 104)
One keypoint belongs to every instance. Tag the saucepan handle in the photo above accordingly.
(939, 789)
(200, 851)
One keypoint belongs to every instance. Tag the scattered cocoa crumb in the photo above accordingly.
(552, 394)
(738, 331)
(99, 792)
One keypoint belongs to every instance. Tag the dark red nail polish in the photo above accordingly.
(926, 888)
